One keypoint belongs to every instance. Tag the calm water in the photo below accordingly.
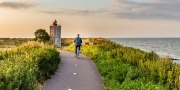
(161, 46)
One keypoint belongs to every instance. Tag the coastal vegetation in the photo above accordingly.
(126, 68)
(27, 66)
(13, 42)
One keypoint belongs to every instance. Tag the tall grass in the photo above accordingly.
(126, 68)
(24, 67)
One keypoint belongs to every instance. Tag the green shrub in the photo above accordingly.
(24, 67)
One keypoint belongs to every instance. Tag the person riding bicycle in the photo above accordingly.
(77, 42)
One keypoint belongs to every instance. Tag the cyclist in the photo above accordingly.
(77, 42)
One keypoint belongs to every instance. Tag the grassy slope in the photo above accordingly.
(126, 68)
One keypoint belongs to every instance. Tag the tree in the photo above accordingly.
(41, 35)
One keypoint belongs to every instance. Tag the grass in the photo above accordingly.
(126, 68)
(26, 66)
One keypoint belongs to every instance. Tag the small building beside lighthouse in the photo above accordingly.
(55, 33)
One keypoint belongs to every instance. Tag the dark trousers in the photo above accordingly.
(76, 48)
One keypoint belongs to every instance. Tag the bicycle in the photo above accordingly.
(77, 51)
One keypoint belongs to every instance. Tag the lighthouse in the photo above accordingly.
(55, 33)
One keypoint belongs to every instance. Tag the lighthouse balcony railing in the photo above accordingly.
(57, 25)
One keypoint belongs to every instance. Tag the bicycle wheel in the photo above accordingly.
(77, 51)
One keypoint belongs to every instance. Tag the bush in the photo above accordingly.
(24, 67)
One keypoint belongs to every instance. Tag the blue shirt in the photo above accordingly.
(78, 41)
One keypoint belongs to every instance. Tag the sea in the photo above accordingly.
(161, 46)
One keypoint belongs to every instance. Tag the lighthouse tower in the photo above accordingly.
(55, 33)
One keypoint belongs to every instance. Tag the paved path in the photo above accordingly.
(75, 74)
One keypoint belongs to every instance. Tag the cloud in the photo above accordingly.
(152, 9)
(131, 9)
(15, 5)
(71, 12)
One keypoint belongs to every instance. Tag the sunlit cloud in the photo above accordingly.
(70, 12)
(108, 18)
(15, 5)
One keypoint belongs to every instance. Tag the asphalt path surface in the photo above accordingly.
(75, 74)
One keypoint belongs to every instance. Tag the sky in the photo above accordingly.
(91, 18)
